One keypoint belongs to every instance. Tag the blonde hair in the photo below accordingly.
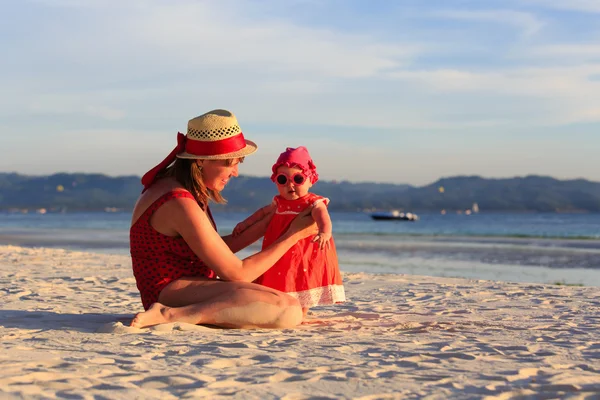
(189, 175)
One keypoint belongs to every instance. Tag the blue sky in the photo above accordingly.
(387, 91)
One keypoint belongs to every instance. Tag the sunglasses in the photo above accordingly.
(297, 178)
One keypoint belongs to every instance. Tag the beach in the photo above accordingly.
(64, 317)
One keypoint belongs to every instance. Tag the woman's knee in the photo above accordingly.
(291, 312)
(291, 301)
(290, 317)
(284, 300)
(274, 297)
(288, 312)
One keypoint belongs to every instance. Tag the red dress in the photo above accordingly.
(158, 259)
(306, 272)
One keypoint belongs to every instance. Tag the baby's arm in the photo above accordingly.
(258, 215)
(321, 217)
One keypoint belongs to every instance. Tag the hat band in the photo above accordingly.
(218, 147)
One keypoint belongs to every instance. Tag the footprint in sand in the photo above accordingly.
(280, 376)
(101, 361)
(118, 327)
(230, 363)
(524, 374)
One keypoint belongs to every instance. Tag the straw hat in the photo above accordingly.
(216, 135)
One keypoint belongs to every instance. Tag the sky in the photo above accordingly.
(405, 91)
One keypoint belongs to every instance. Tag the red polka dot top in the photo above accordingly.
(159, 259)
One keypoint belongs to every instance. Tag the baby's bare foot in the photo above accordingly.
(153, 316)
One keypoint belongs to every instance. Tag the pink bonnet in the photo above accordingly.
(299, 158)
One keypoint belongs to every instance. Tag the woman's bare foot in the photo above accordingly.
(155, 315)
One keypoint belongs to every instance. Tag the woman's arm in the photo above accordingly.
(323, 220)
(257, 216)
(188, 219)
(252, 229)
(247, 237)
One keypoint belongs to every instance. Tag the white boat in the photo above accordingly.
(394, 215)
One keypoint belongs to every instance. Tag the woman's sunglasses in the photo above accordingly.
(297, 178)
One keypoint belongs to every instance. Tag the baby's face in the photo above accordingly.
(292, 190)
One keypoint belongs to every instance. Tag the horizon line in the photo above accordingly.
(335, 181)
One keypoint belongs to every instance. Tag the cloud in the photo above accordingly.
(69, 105)
(538, 82)
(140, 51)
(185, 35)
(528, 23)
(568, 52)
(270, 46)
(68, 3)
(112, 151)
(406, 76)
(567, 91)
(592, 6)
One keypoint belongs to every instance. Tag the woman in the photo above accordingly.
(184, 270)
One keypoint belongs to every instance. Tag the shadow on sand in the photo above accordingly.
(50, 320)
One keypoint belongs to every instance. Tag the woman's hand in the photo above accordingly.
(303, 225)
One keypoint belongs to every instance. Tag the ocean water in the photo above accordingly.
(537, 248)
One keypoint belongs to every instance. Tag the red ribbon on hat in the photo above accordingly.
(150, 176)
(217, 147)
(195, 147)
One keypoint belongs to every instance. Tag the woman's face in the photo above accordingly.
(291, 190)
(216, 173)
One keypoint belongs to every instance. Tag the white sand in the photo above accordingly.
(62, 317)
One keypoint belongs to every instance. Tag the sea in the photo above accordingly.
(549, 248)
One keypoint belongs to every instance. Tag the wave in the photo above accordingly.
(565, 236)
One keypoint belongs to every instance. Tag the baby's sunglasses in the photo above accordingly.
(298, 179)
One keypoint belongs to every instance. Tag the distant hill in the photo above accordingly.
(68, 191)
(530, 193)
(74, 192)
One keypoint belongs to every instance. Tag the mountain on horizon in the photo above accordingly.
(79, 191)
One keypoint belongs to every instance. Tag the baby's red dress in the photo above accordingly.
(305, 272)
